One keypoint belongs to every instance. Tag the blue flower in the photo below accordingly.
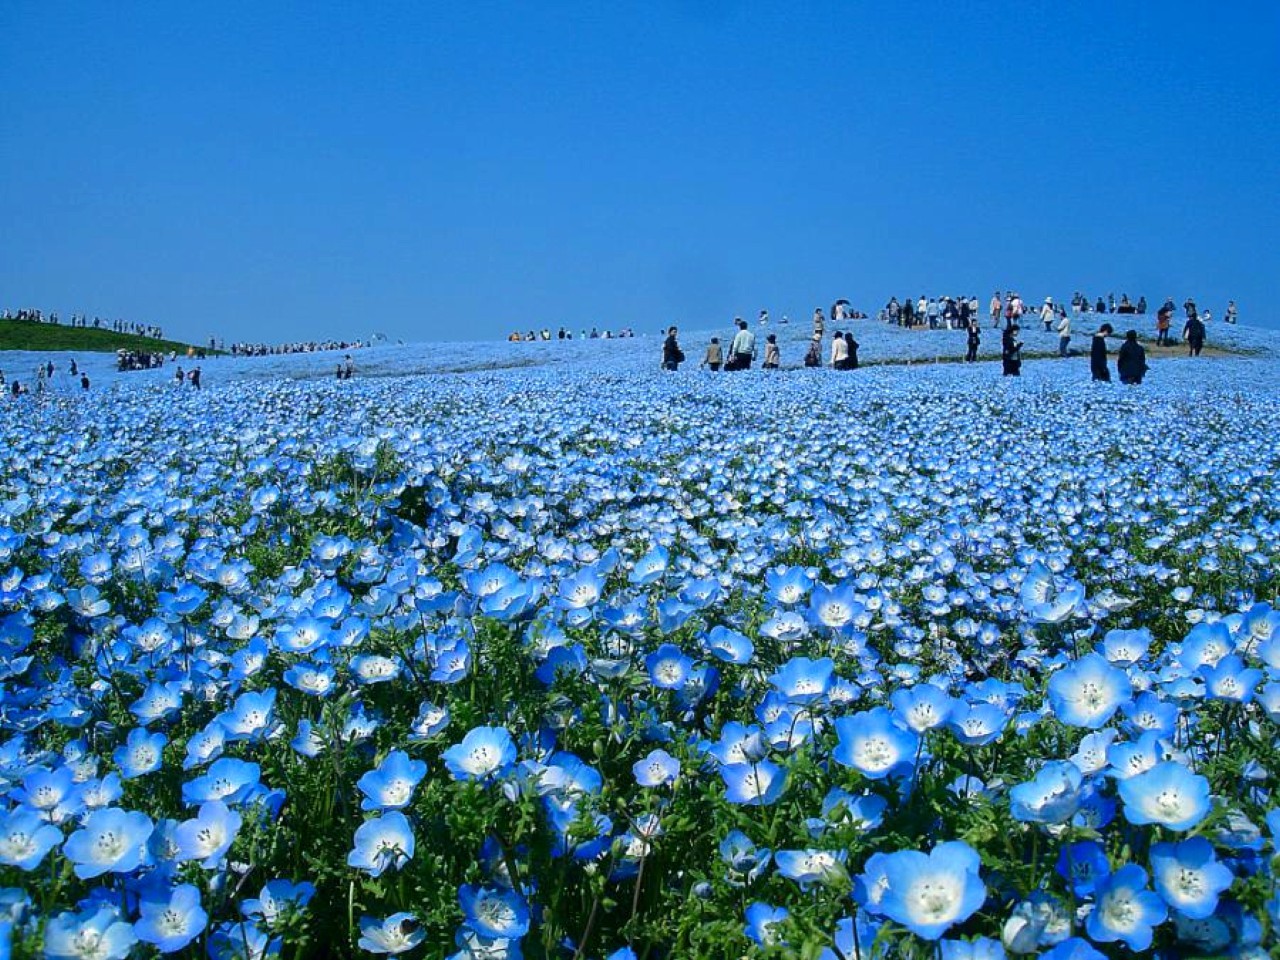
(170, 924)
(658, 769)
(209, 835)
(251, 717)
(383, 842)
(67, 934)
(25, 839)
(729, 645)
(788, 586)
(930, 893)
(228, 779)
(802, 680)
(1081, 864)
(1053, 796)
(1189, 877)
(761, 921)
(874, 745)
(1044, 600)
(756, 784)
(485, 752)
(111, 841)
(745, 861)
(668, 667)
(808, 867)
(922, 707)
(1088, 692)
(141, 753)
(650, 568)
(494, 912)
(1168, 794)
(391, 784)
(1125, 909)
(395, 934)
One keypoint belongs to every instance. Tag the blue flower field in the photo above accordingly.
(536, 650)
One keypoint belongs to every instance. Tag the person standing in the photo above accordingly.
(839, 352)
(1231, 315)
(1193, 333)
(851, 351)
(1164, 320)
(194, 377)
(819, 323)
(715, 356)
(84, 381)
(772, 355)
(672, 355)
(1047, 313)
(996, 306)
(1064, 333)
(743, 349)
(1131, 361)
(1011, 351)
(1098, 355)
(975, 339)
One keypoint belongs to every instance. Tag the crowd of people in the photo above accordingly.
(42, 379)
(281, 349)
(81, 321)
(564, 333)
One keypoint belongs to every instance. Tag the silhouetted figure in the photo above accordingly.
(1011, 351)
(1131, 361)
(1098, 355)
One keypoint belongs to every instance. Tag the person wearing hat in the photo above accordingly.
(1046, 314)
(1131, 361)
(1098, 355)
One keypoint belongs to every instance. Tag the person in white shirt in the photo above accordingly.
(1064, 332)
(839, 351)
(743, 349)
(1047, 313)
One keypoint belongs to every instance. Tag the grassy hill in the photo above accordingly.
(28, 335)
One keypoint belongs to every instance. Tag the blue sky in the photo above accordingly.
(438, 171)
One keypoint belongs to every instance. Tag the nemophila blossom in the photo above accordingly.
(668, 667)
(1126, 647)
(1088, 692)
(1205, 645)
(494, 912)
(25, 838)
(786, 627)
(390, 785)
(241, 941)
(141, 753)
(808, 867)
(930, 893)
(1189, 876)
(763, 922)
(276, 899)
(430, 721)
(756, 784)
(209, 835)
(228, 779)
(96, 933)
(874, 745)
(313, 679)
(484, 752)
(205, 745)
(650, 568)
(171, 923)
(743, 859)
(922, 707)
(159, 701)
(658, 769)
(1051, 797)
(1125, 910)
(1045, 599)
(729, 645)
(802, 680)
(383, 842)
(1168, 794)
(1041, 920)
(51, 793)
(834, 607)
(1229, 679)
(110, 841)
(1081, 864)
(977, 724)
(392, 935)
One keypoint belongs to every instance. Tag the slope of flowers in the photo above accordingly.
(585, 663)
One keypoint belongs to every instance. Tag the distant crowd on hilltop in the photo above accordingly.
(81, 321)
(564, 333)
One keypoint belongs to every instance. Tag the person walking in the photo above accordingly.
(743, 349)
(1131, 361)
(1164, 320)
(1011, 351)
(1064, 334)
(1098, 355)
(975, 339)
(672, 355)
(772, 355)
(839, 351)
(1194, 333)
(715, 356)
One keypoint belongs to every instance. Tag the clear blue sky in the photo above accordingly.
(439, 171)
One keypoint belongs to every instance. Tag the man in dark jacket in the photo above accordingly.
(672, 355)
(1011, 351)
(1098, 355)
(1193, 332)
(1131, 361)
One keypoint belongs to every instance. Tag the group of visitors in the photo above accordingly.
(347, 368)
(566, 334)
(42, 379)
(281, 349)
(81, 321)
